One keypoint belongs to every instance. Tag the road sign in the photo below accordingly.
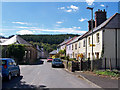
(92, 45)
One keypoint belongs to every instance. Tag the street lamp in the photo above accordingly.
(91, 8)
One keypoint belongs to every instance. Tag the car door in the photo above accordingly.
(15, 68)
(10, 66)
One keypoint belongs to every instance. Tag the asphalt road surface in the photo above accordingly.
(44, 76)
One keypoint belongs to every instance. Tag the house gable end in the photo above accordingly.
(114, 23)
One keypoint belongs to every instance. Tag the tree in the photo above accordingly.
(17, 51)
(61, 51)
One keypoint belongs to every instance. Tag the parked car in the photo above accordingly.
(57, 63)
(49, 60)
(9, 68)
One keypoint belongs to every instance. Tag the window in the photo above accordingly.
(88, 55)
(72, 47)
(75, 46)
(83, 43)
(13, 62)
(69, 47)
(97, 55)
(89, 40)
(4, 62)
(98, 37)
(10, 62)
(79, 44)
(25, 54)
(29, 53)
(73, 54)
(76, 55)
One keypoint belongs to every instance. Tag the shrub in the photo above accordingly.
(17, 51)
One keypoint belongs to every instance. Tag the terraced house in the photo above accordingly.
(71, 48)
(63, 45)
(106, 40)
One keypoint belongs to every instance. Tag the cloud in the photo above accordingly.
(74, 7)
(102, 5)
(76, 27)
(90, 2)
(3, 29)
(61, 8)
(82, 19)
(22, 23)
(1, 34)
(25, 27)
(57, 25)
(79, 27)
(59, 22)
(22, 32)
(73, 30)
(70, 8)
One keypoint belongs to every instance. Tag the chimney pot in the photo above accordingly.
(100, 17)
(90, 23)
(104, 10)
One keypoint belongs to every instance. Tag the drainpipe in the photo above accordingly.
(103, 44)
(86, 47)
(116, 46)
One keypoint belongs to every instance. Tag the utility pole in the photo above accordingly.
(91, 8)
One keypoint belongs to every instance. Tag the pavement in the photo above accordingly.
(101, 82)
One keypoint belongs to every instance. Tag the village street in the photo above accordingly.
(44, 76)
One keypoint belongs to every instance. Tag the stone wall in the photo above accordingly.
(84, 65)
(97, 64)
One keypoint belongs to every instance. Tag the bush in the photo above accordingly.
(71, 59)
(17, 51)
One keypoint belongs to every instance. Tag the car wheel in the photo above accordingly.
(9, 77)
(63, 66)
(18, 74)
(52, 66)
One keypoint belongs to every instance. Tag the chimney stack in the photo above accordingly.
(100, 17)
(90, 23)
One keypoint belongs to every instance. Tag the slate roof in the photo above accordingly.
(64, 42)
(112, 23)
(15, 40)
(76, 39)
(53, 52)
(2, 40)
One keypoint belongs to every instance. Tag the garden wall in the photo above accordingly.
(84, 65)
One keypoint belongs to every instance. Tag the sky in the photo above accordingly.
(50, 17)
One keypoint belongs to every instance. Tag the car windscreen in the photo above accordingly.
(4, 62)
(49, 58)
(57, 60)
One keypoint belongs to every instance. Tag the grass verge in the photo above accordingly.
(108, 73)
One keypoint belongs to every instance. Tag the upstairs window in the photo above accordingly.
(75, 46)
(89, 40)
(83, 43)
(72, 47)
(69, 47)
(79, 44)
(98, 37)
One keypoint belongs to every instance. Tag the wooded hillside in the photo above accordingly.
(47, 42)
(50, 39)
